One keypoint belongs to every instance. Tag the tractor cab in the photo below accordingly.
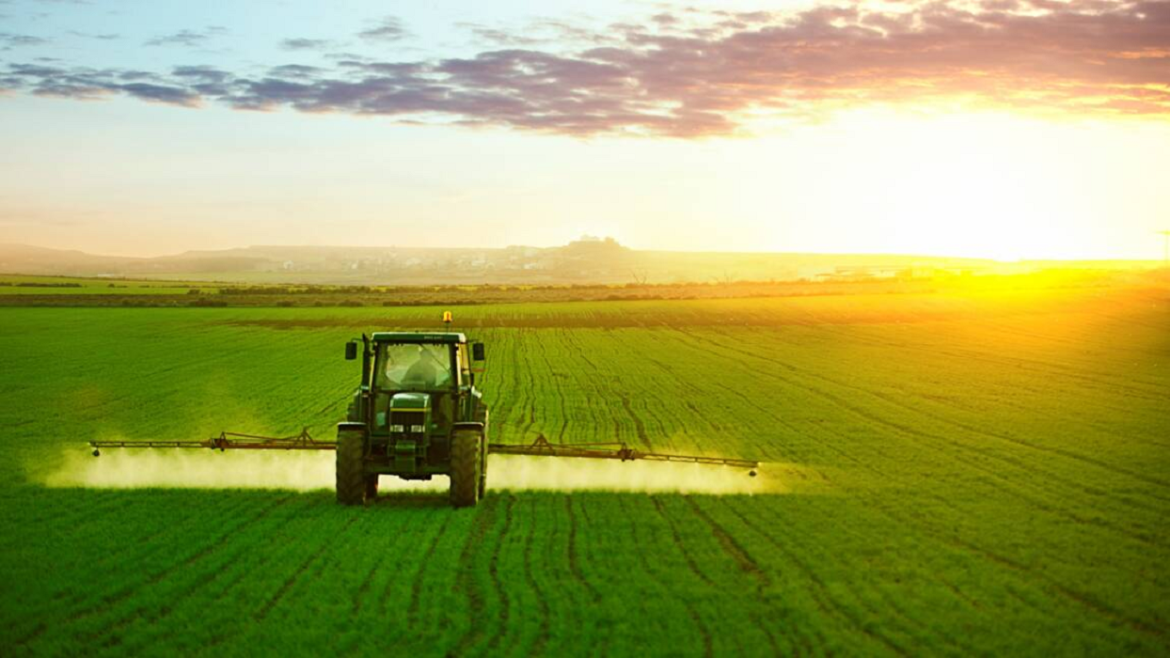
(416, 375)
(420, 362)
(416, 396)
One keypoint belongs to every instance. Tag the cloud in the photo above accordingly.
(161, 93)
(540, 32)
(93, 84)
(305, 44)
(187, 37)
(8, 40)
(99, 37)
(389, 29)
(694, 73)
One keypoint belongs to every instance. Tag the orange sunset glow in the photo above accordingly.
(1001, 129)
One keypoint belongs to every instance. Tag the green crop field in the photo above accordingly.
(947, 474)
(29, 285)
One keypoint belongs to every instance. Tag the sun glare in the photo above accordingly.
(987, 185)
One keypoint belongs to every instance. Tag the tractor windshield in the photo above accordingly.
(414, 366)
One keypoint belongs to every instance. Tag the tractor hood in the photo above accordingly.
(410, 402)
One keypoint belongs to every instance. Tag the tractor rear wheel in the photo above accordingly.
(351, 485)
(482, 416)
(466, 459)
(483, 475)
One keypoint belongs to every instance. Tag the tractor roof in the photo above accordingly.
(419, 337)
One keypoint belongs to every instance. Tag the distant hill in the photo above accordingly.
(584, 261)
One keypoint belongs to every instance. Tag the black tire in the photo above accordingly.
(466, 459)
(483, 418)
(483, 475)
(371, 486)
(351, 484)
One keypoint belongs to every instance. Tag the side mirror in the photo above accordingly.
(477, 351)
(350, 351)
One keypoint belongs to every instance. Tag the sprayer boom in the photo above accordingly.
(225, 440)
(541, 447)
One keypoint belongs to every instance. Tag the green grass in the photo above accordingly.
(994, 473)
(27, 284)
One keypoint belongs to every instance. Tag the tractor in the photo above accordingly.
(415, 414)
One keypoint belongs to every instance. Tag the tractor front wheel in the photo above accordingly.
(351, 484)
(466, 460)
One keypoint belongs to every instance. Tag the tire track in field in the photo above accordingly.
(269, 562)
(747, 564)
(889, 603)
(402, 534)
(687, 392)
(262, 614)
(168, 608)
(1017, 487)
(574, 562)
(595, 385)
(78, 518)
(530, 580)
(552, 381)
(1021, 570)
(804, 372)
(732, 548)
(1084, 600)
(511, 395)
(694, 568)
(464, 580)
(108, 601)
(842, 455)
(821, 594)
(678, 540)
(494, 571)
(219, 542)
(1092, 380)
(648, 569)
(940, 444)
(120, 595)
(150, 546)
(528, 410)
(425, 561)
(639, 428)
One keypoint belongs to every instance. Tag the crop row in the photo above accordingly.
(990, 479)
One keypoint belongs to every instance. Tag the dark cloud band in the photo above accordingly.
(689, 74)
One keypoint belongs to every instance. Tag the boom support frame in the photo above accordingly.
(541, 447)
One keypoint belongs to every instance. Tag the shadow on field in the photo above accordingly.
(410, 500)
(314, 471)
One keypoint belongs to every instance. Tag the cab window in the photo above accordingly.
(414, 366)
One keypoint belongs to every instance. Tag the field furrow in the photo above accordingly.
(959, 474)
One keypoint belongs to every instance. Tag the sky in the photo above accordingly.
(1008, 129)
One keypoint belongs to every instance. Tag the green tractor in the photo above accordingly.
(416, 414)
